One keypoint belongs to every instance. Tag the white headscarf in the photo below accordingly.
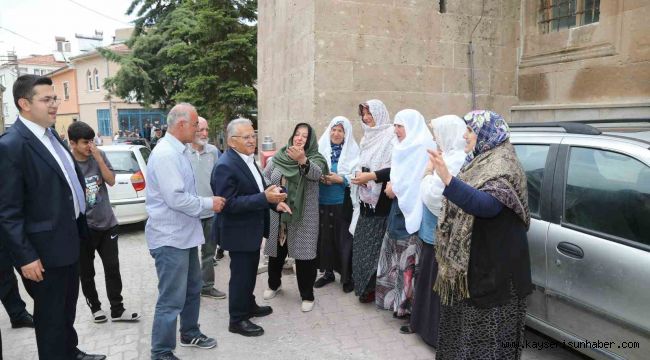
(349, 153)
(409, 161)
(376, 146)
(448, 131)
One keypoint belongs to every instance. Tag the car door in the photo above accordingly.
(537, 157)
(598, 253)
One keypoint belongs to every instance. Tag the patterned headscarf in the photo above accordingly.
(491, 128)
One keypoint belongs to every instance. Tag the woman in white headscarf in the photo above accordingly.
(398, 259)
(373, 173)
(341, 151)
(448, 133)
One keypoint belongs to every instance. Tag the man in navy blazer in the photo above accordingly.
(243, 222)
(42, 221)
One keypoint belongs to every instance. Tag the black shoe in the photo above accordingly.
(348, 287)
(25, 321)
(246, 328)
(405, 329)
(261, 311)
(324, 280)
(83, 356)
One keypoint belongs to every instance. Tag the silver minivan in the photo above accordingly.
(589, 197)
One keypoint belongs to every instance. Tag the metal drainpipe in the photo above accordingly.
(470, 54)
(110, 105)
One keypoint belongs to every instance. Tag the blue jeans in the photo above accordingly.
(179, 293)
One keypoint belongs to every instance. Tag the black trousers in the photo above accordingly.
(55, 306)
(243, 275)
(305, 273)
(104, 242)
(9, 294)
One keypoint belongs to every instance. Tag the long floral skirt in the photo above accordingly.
(396, 273)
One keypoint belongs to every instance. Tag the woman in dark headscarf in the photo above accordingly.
(298, 167)
(482, 248)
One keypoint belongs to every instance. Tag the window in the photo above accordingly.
(37, 72)
(533, 160)
(2, 80)
(555, 15)
(609, 193)
(96, 75)
(104, 121)
(131, 119)
(90, 80)
(145, 154)
(66, 90)
(123, 162)
(43, 72)
(22, 71)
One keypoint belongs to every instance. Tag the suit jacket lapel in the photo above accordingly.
(39, 148)
(243, 167)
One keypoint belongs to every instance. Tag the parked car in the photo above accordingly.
(589, 238)
(127, 195)
(132, 141)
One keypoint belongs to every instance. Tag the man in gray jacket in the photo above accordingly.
(203, 157)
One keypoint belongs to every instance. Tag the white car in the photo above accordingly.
(127, 195)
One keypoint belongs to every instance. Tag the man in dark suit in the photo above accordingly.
(243, 222)
(42, 221)
(9, 294)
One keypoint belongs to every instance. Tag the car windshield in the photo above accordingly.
(123, 162)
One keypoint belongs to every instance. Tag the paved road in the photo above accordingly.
(339, 327)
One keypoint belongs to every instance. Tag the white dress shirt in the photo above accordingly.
(250, 161)
(40, 133)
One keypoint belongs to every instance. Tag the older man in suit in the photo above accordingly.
(243, 222)
(42, 221)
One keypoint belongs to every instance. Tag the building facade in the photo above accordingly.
(2, 116)
(64, 81)
(37, 65)
(108, 114)
(531, 60)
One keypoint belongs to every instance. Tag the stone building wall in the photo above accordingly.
(595, 71)
(319, 59)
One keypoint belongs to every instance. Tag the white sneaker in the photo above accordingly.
(100, 316)
(270, 294)
(307, 306)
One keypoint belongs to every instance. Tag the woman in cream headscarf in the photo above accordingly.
(448, 133)
(338, 147)
(398, 259)
(373, 172)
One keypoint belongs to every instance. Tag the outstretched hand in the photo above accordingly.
(439, 165)
(283, 207)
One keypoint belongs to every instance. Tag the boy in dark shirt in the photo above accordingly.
(102, 224)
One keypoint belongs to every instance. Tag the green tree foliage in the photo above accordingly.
(198, 51)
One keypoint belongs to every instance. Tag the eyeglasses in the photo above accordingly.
(247, 137)
(50, 101)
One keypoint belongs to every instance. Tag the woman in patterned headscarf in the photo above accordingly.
(298, 167)
(373, 173)
(482, 248)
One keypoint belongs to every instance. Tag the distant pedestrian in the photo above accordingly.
(97, 140)
(102, 224)
(174, 233)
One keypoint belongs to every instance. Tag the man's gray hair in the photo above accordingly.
(232, 125)
(181, 111)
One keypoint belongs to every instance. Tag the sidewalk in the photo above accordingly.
(339, 327)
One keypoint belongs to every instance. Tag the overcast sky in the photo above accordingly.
(41, 20)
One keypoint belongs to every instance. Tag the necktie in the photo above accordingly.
(72, 174)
